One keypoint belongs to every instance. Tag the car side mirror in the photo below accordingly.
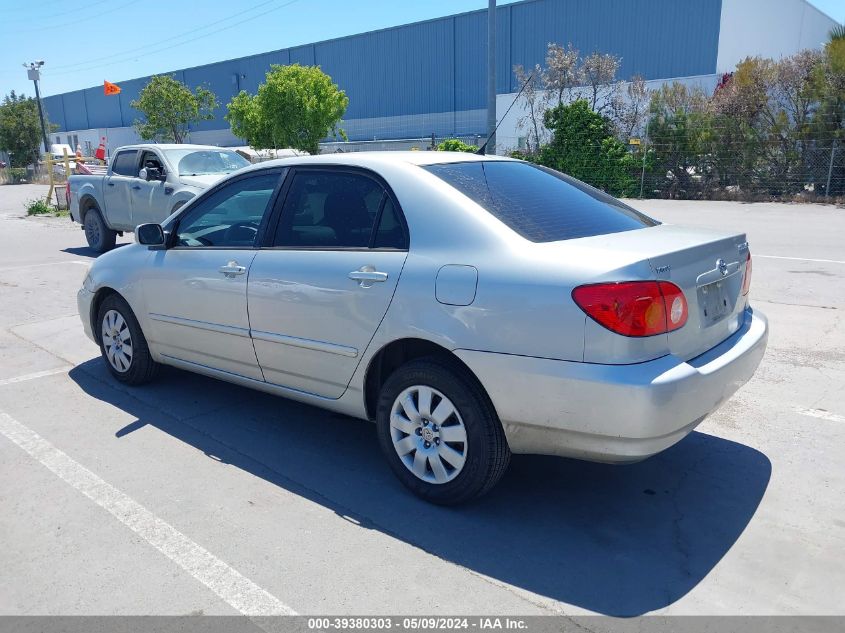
(151, 173)
(151, 235)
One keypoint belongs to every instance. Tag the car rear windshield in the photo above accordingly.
(540, 204)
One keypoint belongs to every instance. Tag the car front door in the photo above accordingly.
(325, 278)
(117, 195)
(196, 290)
(150, 198)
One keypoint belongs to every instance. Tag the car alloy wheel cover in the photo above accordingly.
(428, 434)
(92, 229)
(117, 341)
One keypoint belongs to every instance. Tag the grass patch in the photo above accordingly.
(38, 207)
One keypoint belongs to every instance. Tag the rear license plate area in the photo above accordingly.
(715, 302)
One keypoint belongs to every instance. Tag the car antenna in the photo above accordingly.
(481, 150)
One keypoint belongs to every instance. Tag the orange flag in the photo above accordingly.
(110, 89)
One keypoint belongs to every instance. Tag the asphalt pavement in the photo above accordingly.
(195, 496)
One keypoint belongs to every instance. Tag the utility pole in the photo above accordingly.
(830, 169)
(644, 149)
(33, 71)
(491, 77)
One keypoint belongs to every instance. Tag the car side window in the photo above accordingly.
(150, 159)
(230, 216)
(390, 233)
(124, 163)
(329, 209)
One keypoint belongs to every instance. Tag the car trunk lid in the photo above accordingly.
(708, 266)
(709, 269)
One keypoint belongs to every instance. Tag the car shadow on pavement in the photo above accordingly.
(86, 251)
(617, 540)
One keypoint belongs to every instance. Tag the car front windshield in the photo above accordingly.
(204, 162)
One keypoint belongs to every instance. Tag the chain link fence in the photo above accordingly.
(813, 172)
(715, 167)
(813, 169)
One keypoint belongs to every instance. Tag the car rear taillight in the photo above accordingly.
(746, 279)
(634, 308)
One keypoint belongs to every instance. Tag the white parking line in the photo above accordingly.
(822, 415)
(238, 591)
(800, 259)
(34, 375)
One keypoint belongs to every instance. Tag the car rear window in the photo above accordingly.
(540, 204)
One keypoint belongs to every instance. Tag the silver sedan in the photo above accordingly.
(472, 306)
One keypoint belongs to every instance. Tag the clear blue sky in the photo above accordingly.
(86, 42)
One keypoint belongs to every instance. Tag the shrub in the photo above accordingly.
(38, 207)
(521, 155)
(456, 145)
(14, 175)
(584, 147)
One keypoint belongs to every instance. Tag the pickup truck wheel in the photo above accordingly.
(439, 432)
(122, 343)
(100, 237)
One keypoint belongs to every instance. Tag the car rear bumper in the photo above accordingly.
(614, 413)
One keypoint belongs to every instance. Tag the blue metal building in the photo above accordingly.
(430, 77)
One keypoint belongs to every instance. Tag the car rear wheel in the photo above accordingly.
(100, 237)
(122, 343)
(440, 433)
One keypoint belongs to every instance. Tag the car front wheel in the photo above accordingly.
(122, 343)
(440, 433)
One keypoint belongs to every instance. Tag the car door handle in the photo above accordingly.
(136, 186)
(232, 269)
(111, 184)
(367, 276)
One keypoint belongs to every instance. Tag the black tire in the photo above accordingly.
(100, 237)
(141, 366)
(486, 449)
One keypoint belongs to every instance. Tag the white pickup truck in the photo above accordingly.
(144, 183)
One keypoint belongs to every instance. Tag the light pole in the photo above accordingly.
(33, 71)
(491, 77)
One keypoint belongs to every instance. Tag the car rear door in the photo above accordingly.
(325, 278)
(117, 192)
(196, 290)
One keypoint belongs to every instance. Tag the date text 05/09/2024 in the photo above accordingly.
(420, 623)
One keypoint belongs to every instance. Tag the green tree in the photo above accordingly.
(827, 125)
(456, 145)
(20, 131)
(297, 106)
(763, 118)
(170, 108)
(583, 145)
(678, 134)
